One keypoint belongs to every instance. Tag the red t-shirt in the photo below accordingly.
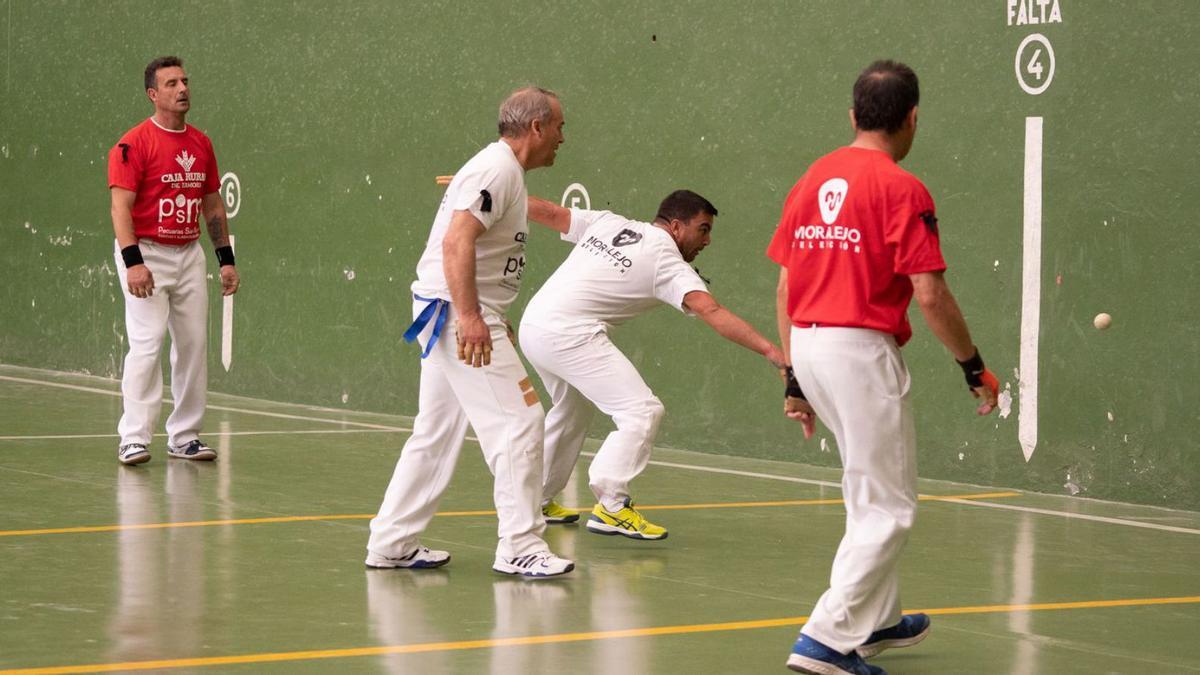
(854, 226)
(170, 171)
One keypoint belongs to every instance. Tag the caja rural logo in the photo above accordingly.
(180, 208)
(185, 160)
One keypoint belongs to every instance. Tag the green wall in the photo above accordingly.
(336, 117)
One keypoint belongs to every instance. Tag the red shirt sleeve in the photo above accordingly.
(212, 179)
(124, 166)
(780, 247)
(912, 232)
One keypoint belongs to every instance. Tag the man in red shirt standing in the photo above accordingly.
(858, 239)
(163, 177)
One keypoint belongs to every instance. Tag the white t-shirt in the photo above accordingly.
(618, 269)
(492, 187)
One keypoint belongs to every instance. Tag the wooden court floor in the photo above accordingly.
(255, 562)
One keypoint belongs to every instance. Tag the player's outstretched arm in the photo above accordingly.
(946, 321)
(218, 230)
(549, 214)
(782, 322)
(731, 326)
(138, 277)
(795, 406)
(458, 264)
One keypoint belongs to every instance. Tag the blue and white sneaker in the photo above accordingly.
(133, 453)
(420, 558)
(538, 565)
(194, 450)
(912, 629)
(813, 657)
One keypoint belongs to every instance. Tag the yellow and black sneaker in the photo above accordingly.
(556, 513)
(627, 522)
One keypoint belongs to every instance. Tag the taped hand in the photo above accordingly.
(796, 406)
(982, 382)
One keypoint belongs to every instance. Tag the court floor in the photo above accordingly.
(255, 562)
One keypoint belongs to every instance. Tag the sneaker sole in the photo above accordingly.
(873, 649)
(423, 565)
(198, 457)
(565, 520)
(804, 664)
(136, 459)
(517, 572)
(606, 529)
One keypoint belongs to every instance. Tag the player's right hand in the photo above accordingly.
(474, 341)
(140, 281)
(800, 410)
(795, 405)
(988, 391)
(982, 382)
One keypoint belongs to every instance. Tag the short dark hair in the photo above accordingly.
(156, 64)
(684, 205)
(883, 96)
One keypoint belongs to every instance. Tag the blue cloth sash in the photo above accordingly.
(435, 311)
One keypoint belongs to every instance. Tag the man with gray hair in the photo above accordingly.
(467, 278)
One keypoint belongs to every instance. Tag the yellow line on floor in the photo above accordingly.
(209, 523)
(811, 502)
(425, 647)
(446, 514)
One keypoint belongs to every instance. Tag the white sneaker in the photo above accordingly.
(534, 565)
(133, 453)
(196, 450)
(420, 558)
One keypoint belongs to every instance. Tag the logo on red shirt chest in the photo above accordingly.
(180, 208)
(831, 197)
(185, 160)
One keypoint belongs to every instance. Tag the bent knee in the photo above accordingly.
(655, 410)
(643, 420)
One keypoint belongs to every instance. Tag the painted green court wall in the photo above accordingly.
(335, 117)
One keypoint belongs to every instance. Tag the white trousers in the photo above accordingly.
(858, 384)
(179, 305)
(499, 403)
(577, 369)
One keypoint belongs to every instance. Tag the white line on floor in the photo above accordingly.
(261, 413)
(57, 437)
(1076, 516)
(969, 502)
(691, 467)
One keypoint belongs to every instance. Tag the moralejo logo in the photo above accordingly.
(831, 198)
(185, 160)
(626, 237)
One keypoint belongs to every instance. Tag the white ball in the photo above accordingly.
(1102, 321)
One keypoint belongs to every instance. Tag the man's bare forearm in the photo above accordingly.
(549, 214)
(943, 315)
(218, 229)
(458, 255)
(782, 322)
(727, 324)
(736, 329)
(123, 227)
(122, 217)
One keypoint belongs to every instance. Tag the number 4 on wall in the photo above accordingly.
(1035, 64)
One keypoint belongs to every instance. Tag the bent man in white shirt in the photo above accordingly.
(619, 268)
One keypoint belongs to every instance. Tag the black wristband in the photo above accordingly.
(224, 255)
(132, 255)
(793, 387)
(973, 369)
